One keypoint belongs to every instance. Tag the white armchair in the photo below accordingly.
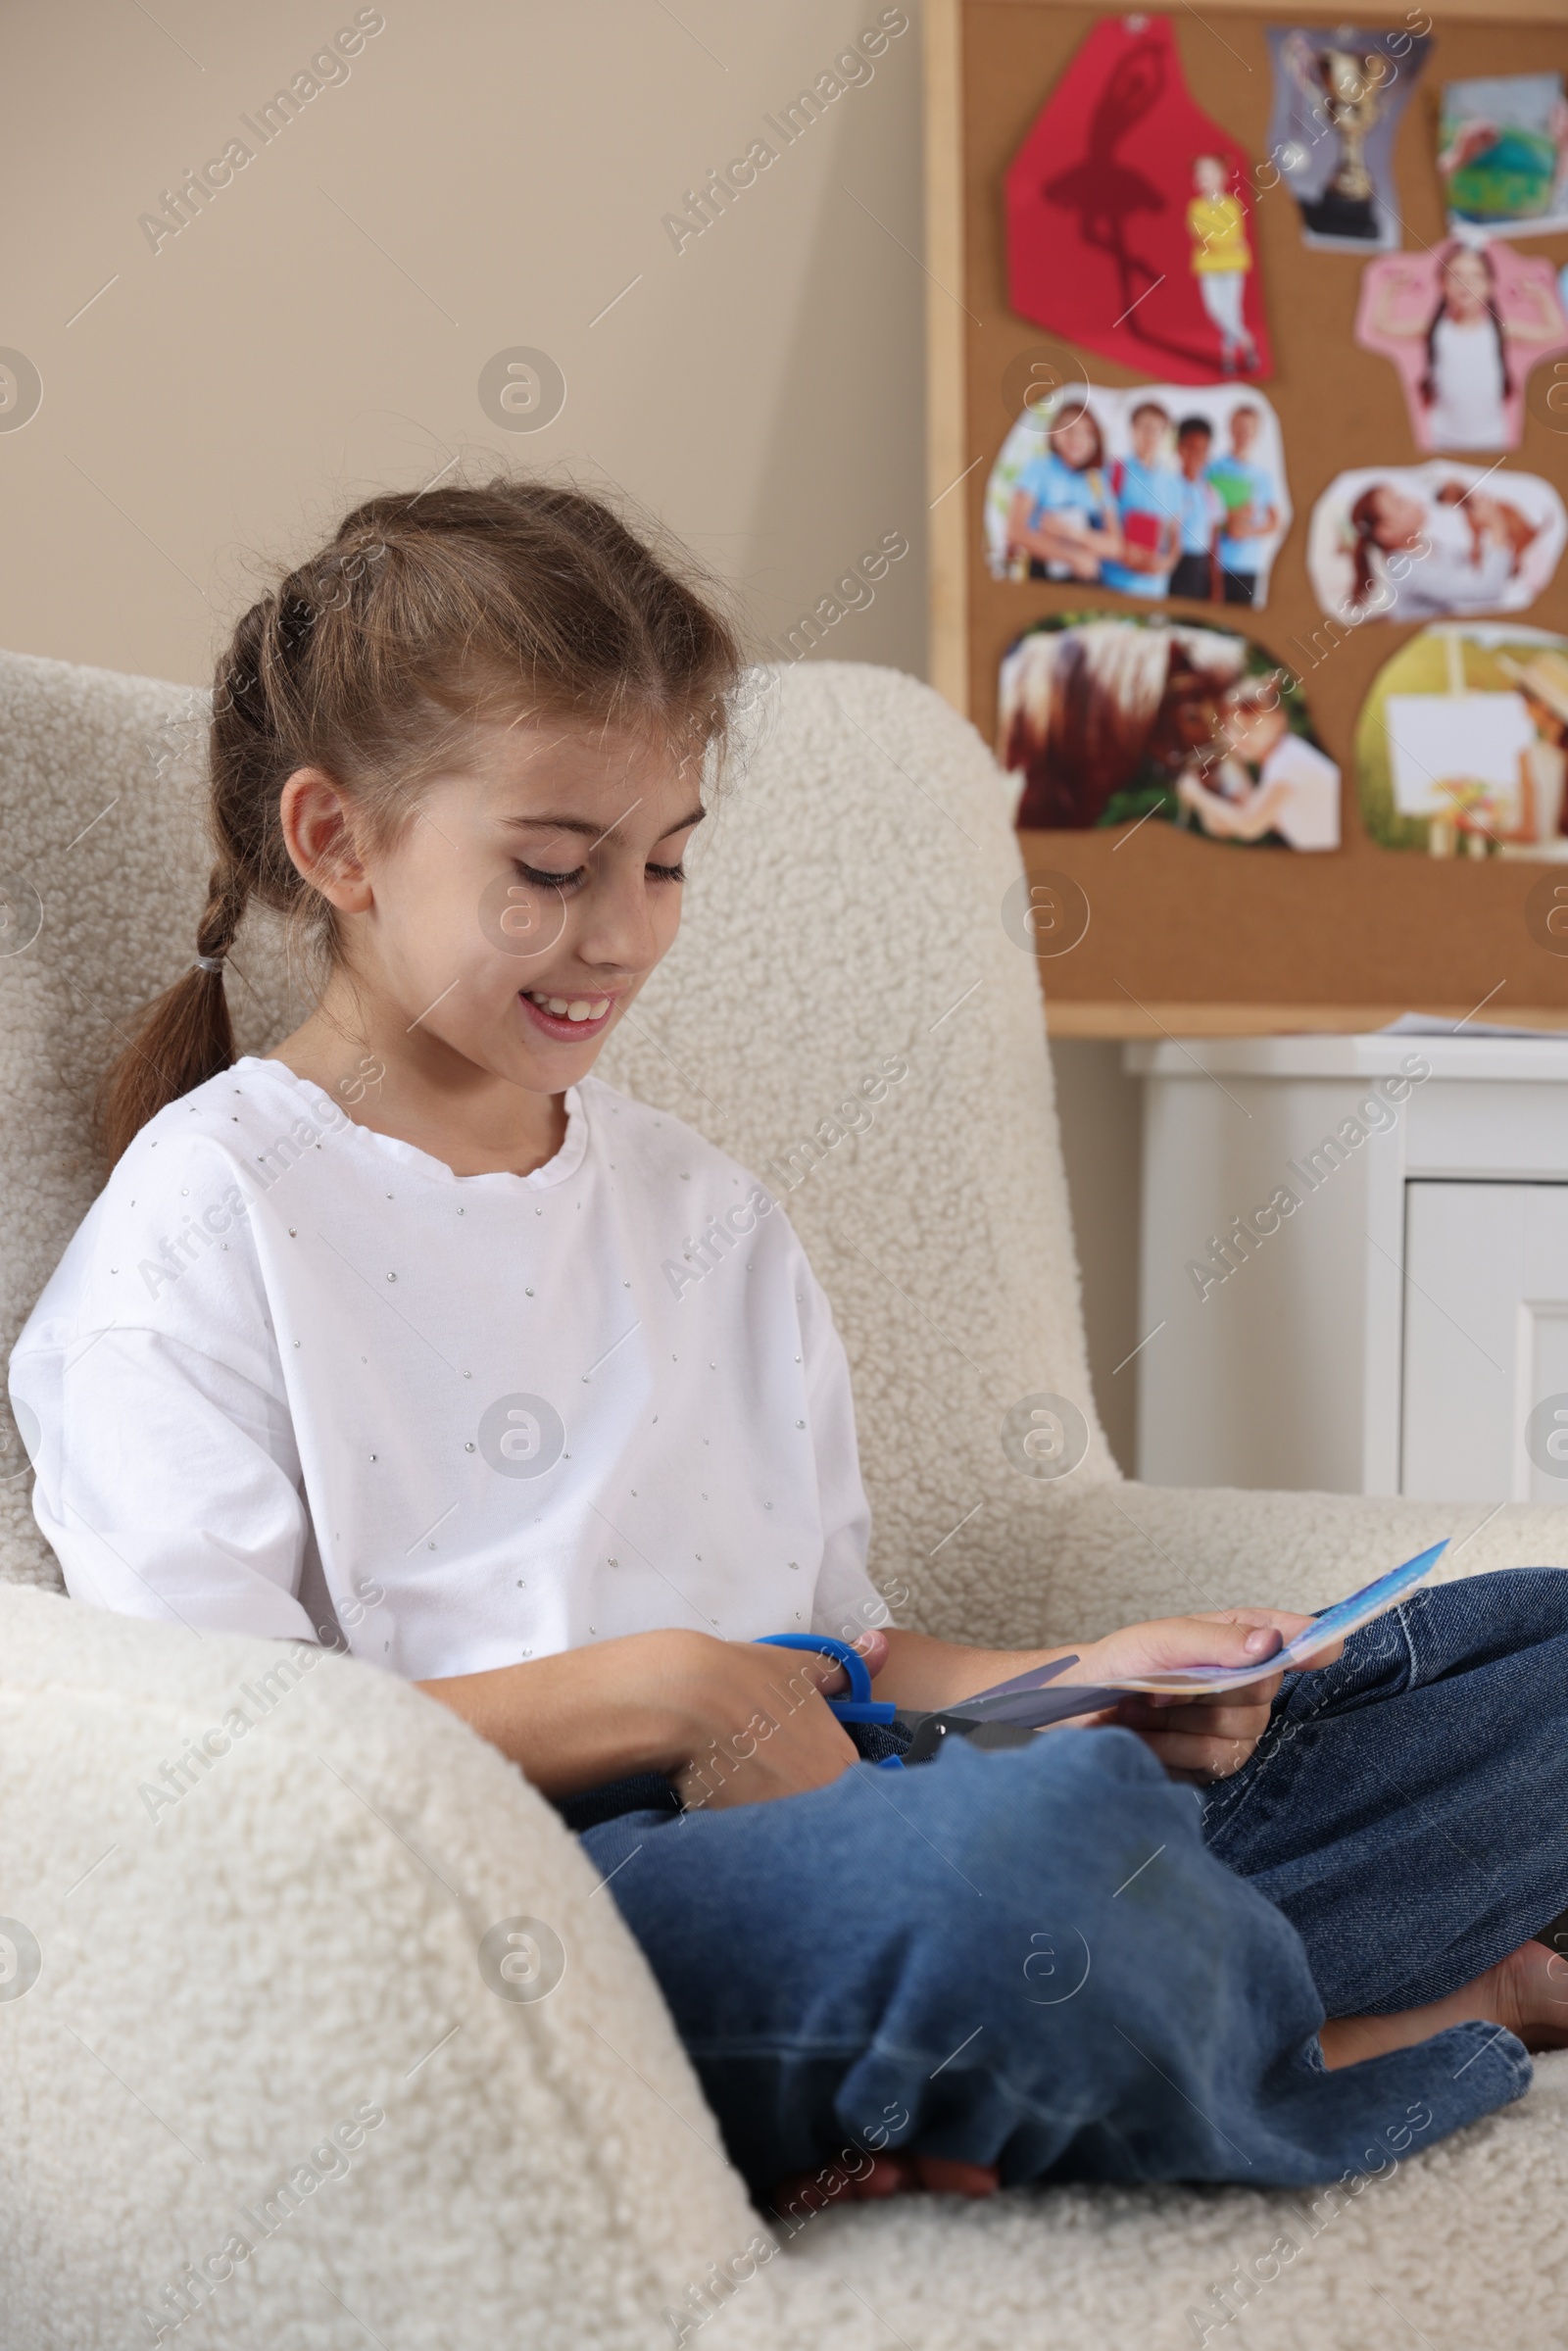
(257, 2060)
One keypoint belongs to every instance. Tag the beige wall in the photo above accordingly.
(488, 176)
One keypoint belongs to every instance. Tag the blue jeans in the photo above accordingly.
(1055, 1960)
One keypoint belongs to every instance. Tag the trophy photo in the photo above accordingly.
(1346, 87)
(1337, 96)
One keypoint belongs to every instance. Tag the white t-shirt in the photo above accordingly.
(1468, 377)
(294, 1378)
(1310, 817)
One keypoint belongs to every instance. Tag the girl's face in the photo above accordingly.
(1467, 287)
(1074, 441)
(1397, 521)
(524, 906)
(1209, 175)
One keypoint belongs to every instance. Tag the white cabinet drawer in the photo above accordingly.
(1486, 1342)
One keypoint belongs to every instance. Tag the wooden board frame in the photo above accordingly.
(1190, 936)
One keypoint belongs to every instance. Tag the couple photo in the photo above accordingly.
(1149, 492)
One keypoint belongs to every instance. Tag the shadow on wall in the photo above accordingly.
(870, 157)
(1101, 1114)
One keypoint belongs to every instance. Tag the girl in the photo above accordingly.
(413, 1337)
(1453, 353)
(1259, 780)
(1222, 260)
(1063, 518)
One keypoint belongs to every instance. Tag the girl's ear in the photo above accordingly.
(316, 818)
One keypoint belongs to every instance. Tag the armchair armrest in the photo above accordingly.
(1051, 1565)
(256, 2038)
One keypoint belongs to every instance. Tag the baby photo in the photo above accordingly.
(1153, 492)
(1419, 542)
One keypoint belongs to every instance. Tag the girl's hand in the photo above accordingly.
(753, 1721)
(1198, 1739)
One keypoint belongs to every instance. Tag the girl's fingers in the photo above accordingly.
(1187, 1757)
(1202, 1722)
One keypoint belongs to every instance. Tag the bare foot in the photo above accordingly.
(1528, 1992)
(885, 2175)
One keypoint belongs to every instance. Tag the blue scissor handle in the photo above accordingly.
(860, 1706)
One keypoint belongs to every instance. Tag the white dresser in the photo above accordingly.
(1354, 1274)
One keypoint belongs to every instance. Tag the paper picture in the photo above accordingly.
(1338, 97)
(1427, 541)
(1129, 213)
(1502, 153)
(1108, 720)
(1463, 325)
(1028, 1699)
(1154, 492)
(1462, 747)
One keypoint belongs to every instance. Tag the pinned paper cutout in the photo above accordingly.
(1338, 97)
(1154, 491)
(1111, 720)
(1462, 745)
(1463, 325)
(1502, 153)
(1130, 216)
(1433, 542)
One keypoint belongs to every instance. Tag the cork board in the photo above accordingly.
(1185, 933)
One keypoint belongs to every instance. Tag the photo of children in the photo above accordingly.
(1463, 325)
(1110, 718)
(1462, 747)
(1149, 492)
(1502, 153)
(1425, 542)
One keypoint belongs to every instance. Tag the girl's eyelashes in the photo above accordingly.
(568, 882)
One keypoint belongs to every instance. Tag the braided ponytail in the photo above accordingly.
(372, 660)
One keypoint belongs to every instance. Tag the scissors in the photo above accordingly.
(1004, 1716)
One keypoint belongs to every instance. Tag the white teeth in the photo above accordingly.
(577, 1007)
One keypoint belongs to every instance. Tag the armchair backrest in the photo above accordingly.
(847, 1010)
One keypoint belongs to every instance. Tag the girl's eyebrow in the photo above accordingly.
(595, 831)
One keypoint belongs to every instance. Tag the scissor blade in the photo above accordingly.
(1033, 1709)
(1034, 1679)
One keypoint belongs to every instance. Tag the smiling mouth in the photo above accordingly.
(568, 1015)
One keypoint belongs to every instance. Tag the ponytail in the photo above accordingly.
(372, 660)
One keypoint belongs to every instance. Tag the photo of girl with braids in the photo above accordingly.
(1463, 325)
(1427, 541)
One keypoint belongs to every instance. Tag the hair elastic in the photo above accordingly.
(207, 963)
